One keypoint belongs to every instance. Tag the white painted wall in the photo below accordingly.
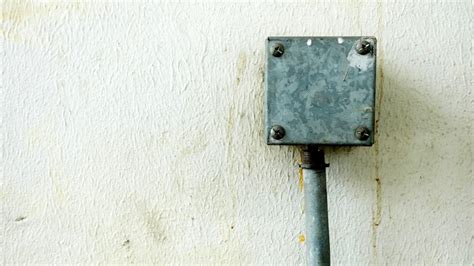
(133, 133)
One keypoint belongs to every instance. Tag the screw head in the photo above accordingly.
(363, 47)
(278, 50)
(277, 132)
(362, 133)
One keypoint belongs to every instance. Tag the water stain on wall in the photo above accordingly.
(197, 145)
(377, 214)
(261, 93)
(241, 64)
(154, 225)
(16, 11)
(15, 14)
(56, 174)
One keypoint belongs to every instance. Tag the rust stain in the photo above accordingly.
(377, 215)
(300, 171)
(378, 202)
(301, 238)
(300, 179)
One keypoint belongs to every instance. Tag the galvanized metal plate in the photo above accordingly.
(320, 90)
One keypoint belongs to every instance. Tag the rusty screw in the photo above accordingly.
(362, 133)
(277, 132)
(278, 50)
(363, 47)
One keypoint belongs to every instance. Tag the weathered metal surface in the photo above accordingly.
(316, 208)
(320, 90)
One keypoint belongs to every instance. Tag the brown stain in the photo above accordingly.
(300, 171)
(377, 214)
(378, 201)
(301, 238)
(241, 65)
(300, 178)
(233, 115)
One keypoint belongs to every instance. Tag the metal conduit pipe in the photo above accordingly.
(316, 207)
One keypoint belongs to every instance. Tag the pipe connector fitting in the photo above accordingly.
(313, 158)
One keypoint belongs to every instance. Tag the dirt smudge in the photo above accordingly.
(154, 226)
(241, 65)
(20, 218)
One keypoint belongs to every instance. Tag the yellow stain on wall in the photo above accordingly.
(301, 238)
(300, 178)
(16, 12)
(300, 171)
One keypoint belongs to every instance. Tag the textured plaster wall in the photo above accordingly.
(132, 132)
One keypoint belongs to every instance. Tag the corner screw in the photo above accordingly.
(277, 132)
(278, 50)
(363, 47)
(362, 133)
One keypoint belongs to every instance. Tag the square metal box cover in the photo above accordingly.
(320, 90)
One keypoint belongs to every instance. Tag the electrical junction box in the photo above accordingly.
(320, 90)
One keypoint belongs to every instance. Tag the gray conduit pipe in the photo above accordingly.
(316, 207)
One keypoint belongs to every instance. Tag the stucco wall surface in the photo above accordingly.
(132, 133)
